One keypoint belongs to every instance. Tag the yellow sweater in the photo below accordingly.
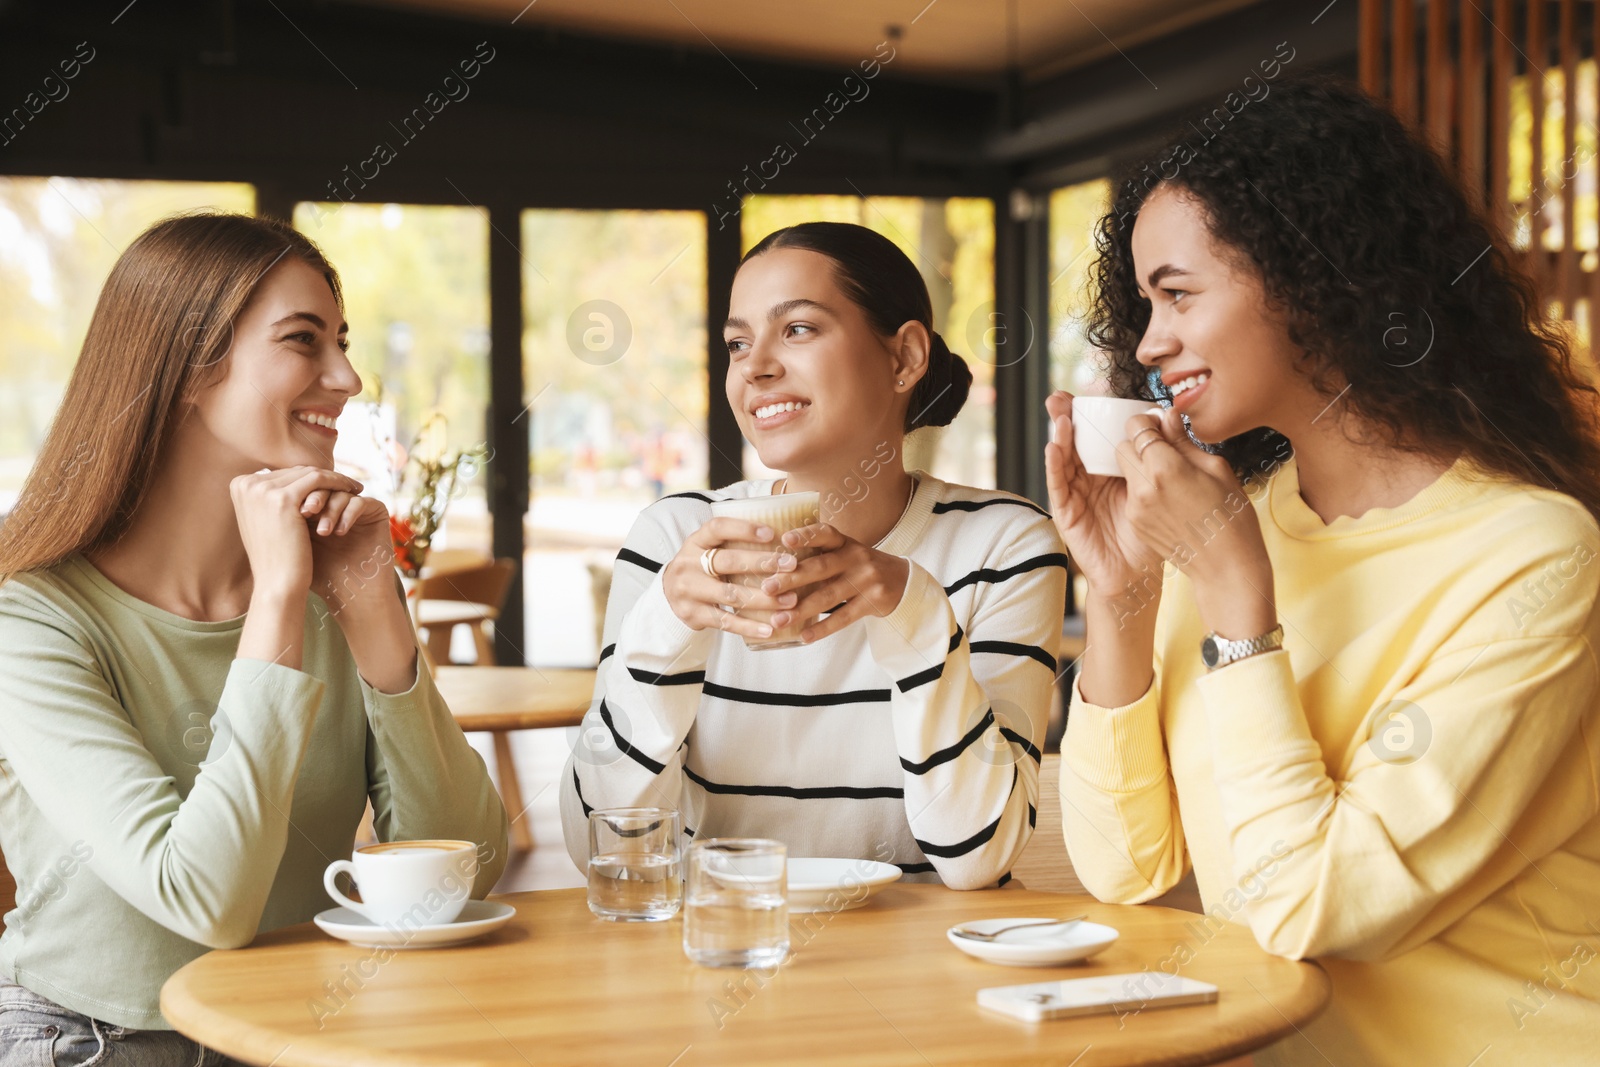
(1407, 792)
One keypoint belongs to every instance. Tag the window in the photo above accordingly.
(1074, 212)
(58, 240)
(416, 293)
(952, 244)
(614, 373)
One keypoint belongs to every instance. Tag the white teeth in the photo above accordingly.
(773, 409)
(325, 421)
(1189, 383)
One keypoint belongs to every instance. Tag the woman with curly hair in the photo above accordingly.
(1341, 607)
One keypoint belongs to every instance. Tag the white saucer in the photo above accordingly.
(1025, 948)
(819, 884)
(479, 917)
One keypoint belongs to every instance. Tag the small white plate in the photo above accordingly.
(479, 917)
(1029, 948)
(818, 884)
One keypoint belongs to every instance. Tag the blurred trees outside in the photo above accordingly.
(59, 238)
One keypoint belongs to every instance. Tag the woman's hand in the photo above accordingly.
(845, 574)
(351, 548)
(353, 571)
(703, 602)
(1091, 513)
(269, 506)
(1189, 507)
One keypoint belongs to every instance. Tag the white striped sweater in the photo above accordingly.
(911, 739)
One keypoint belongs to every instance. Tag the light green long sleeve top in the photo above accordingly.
(160, 797)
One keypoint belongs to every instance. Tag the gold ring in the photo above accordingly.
(708, 563)
(1139, 450)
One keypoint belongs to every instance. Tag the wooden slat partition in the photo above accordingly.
(1403, 63)
(1457, 82)
(1470, 93)
(1568, 268)
(1440, 76)
(1534, 49)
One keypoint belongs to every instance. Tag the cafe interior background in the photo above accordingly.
(537, 209)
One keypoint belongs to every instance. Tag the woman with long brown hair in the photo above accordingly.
(1341, 612)
(206, 668)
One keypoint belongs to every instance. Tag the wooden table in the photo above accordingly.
(501, 699)
(875, 987)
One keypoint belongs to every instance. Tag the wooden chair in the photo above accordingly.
(470, 597)
(451, 560)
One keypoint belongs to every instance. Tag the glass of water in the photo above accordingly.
(634, 870)
(736, 902)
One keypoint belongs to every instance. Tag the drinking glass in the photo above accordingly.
(634, 869)
(736, 902)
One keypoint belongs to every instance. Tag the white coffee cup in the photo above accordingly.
(1099, 425)
(408, 884)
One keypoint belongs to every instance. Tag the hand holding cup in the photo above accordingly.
(703, 581)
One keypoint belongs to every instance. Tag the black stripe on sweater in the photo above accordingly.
(687, 496)
(977, 840)
(1015, 648)
(1004, 878)
(686, 678)
(584, 804)
(622, 743)
(1027, 746)
(915, 868)
(796, 700)
(628, 555)
(989, 574)
(974, 505)
(832, 792)
(605, 653)
(945, 755)
(932, 674)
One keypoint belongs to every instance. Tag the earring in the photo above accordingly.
(902, 381)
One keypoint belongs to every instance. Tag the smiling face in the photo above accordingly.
(286, 376)
(813, 386)
(1225, 355)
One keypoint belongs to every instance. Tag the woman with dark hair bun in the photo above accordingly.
(1341, 609)
(905, 726)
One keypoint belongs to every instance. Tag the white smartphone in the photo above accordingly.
(1099, 995)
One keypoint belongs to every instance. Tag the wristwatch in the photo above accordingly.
(1219, 651)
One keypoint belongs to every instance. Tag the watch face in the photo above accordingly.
(1209, 652)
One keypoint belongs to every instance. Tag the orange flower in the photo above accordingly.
(403, 536)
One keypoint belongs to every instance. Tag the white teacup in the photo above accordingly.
(408, 884)
(1099, 425)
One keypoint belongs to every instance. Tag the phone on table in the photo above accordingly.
(1099, 995)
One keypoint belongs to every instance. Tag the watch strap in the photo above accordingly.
(1232, 651)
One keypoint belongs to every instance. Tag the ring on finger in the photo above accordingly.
(1140, 449)
(708, 563)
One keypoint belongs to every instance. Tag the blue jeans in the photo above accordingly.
(38, 1032)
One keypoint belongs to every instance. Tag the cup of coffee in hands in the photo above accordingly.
(783, 512)
(407, 883)
(1099, 425)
